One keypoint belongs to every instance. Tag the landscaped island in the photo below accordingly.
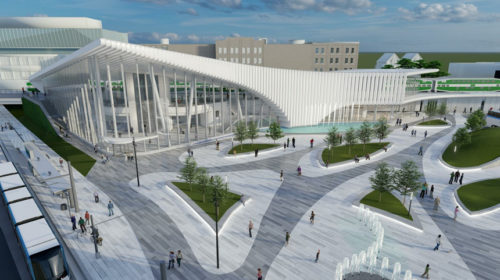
(433, 122)
(484, 147)
(388, 203)
(341, 153)
(480, 195)
(246, 148)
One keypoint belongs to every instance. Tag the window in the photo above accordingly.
(260, 50)
(217, 113)
(322, 50)
(248, 50)
(322, 61)
(260, 60)
(331, 59)
(346, 50)
(254, 50)
(346, 60)
(254, 60)
(220, 50)
(236, 60)
(236, 50)
(243, 50)
(352, 60)
(320, 69)
(315, 69)
(345, 68)
(331, 69)
(317, 50)
(248, 60)
(336, 60)
(231, 51)
(336, 68)
(225, 50)
(331, 50)
(338, 50)
(352, 50)
(232, 60)
(316, 60)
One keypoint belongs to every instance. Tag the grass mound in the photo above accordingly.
(480, 195)
(341, 153)
(434, 122)
(246, 148)
(389, 203)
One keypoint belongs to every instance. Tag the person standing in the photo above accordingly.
(87, 217)
(432, 191)
(426, 272)
(287, 238)
(457, 175)
(96, 197)
(461, 178)
(250, 227)
(299, 171)
(81, 222)
(425, 134)
(259, 274)
(438, 242)
(284, 146)
(179, 258)
(311, 218)
(287, 142)
(293, 142)
(312, 142)
(317, 256)
(73, 222)
(455, 213)
(421, 151)
(436, 203)
(110, 208)
(171, 260)
(452, 175)
(256, 152)
(422, 192)
(326, 163)
(281, 175)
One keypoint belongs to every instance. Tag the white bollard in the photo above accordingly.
(361, 210)
(345, 266)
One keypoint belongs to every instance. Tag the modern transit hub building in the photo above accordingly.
(110, 92)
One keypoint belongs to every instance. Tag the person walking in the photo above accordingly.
(436, 203)
(287, 142)
(312, 142)
(256, 152)
(284, 146)
(457, 175)
(171, 260)
(421, 151)
(317, 256)
(425, 134)
(73, 222)
(326, 163)
(299, 171)
(287, 238)
(259, 274)
(250, 227)
(110, 208)
(81, 222)
(426, 272)
(179, 258)
(311, 218)
(452, 175)
(281, 175)
(432, 191)
(438, 242)
(461, 178)
(87, 217)
(422, 192)
(293, 142)
(96, 197)
(455, 213)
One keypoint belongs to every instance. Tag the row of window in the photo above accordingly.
(331, 69)
(321, 60)
(244, 60)
(333, 50)
(243, 50)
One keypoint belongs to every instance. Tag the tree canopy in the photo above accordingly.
(476, 120)
(364, 133)
(382, 180)
(332, 138)
(274, 132)
(406, 179)
(241, 133)
(252, 131)
(381, 129)
(350, 138)
(461, 137)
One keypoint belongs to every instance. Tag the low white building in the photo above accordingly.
(475, 70)
(413, 56)
(387, 58)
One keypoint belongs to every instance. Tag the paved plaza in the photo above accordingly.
(152, 220)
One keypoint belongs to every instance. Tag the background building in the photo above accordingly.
(298, 55)
(413, 56)
(387, 59)
(28, 42)
(475, 70)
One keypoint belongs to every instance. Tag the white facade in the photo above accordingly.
(474, 70)
(413, 56)
(387, 59)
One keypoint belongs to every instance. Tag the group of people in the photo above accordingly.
(6, 126)
(399, 121)
(425, 190)
(456, 177)
(172, 257)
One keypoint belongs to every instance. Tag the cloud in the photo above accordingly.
(189, 11)
(346, 6)
(235, 35)
(441, 12)
(193, 38)
(151, 37)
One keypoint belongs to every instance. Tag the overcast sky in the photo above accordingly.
(379, 25)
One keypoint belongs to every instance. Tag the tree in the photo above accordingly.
(406, 179)
(461, 137)
(430, 109)
(332, 139)
(434, 64)
(406, 63)
(382, 180)
(365, 133)
(442, 109)
(274, 132)
(241, 133)
(189, 172)
(388, 66)
(217, 191)
(381, 129)
(350, 138)
(253, 131)
(475, 121)
(421, 64)
(203, 180)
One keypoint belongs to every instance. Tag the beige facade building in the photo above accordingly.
(298, 54)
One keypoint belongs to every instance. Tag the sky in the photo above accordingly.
(379, 25)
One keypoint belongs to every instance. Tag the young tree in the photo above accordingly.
(461, 137)
(475, 121)
(241, 133)
(365, 133)
(350, 138)
(381, 129)
(406, 179)
(253, 131)
(203, 180)
(382, 180)
(442, 109)
(332, 139)
(274, 132)
(189, 172)
(217, 191)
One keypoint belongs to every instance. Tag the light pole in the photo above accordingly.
(409, 207)
(135, 158)
(217, 230)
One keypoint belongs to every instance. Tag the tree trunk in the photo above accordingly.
(404, 199)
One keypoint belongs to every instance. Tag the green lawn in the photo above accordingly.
(197, 196)
(245, 148)
(389, 203)
(434, 122)
(33, 118)
(480, 195)
(485, 147)
(341, 153)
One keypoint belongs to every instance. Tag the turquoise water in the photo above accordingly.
(321, 128)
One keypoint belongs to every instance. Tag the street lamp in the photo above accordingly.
(135, 158)
(409, 207)
(217, 230)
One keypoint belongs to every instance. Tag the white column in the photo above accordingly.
(214, 124)
(166, 97)
(113, 113)
(205, 107)
(156, 98)
(125, 98)
(188, 116)
(148, 111)
(140, 100)
(222, 106)
(230, 111)
(177, 109)
(89, 110)
(195, 93)
(102, 117)
(87, 123)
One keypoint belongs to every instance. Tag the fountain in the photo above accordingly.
(408, 275)
(362, 259)
(361, 211)
(396, 272)
(345, 265)
(384, 267)
(354, 263)
(338, 272)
